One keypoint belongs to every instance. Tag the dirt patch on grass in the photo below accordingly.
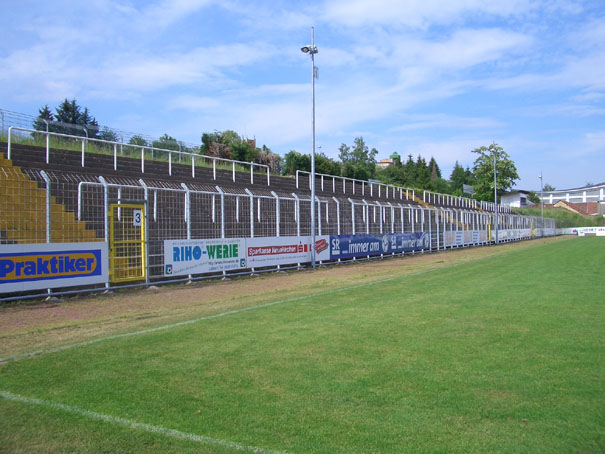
(27, 327)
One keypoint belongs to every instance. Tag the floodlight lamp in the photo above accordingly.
(309, 49)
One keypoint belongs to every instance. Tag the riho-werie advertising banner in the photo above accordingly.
(183, 257)
(25, 267)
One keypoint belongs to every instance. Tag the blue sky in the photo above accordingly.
(431, 77)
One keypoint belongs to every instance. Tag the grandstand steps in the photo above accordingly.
(23, 211)
(97, 164)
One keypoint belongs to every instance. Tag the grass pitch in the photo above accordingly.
(502, 354)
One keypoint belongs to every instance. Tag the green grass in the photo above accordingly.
(503, 354)
(563, 218)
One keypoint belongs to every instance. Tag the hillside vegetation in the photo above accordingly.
(562, 217)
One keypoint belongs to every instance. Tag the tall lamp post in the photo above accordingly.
(312, 50)
(542, 201)
(496, 211)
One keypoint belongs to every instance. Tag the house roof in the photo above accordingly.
(587, 208)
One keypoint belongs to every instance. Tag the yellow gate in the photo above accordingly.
(126, 242)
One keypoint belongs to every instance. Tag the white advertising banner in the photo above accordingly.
(284, 250)
(582, 231)
(463, 237)
(183, 257)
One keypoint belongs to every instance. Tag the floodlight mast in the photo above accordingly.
(496, 210)
(312, 50)
(542, 201)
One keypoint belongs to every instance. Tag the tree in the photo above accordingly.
(483, 170)
(69, 112)
(533, 197)
(108, 134)
(268, 158)
(135, 140)
(423, 173)
(440, 185)
(293, 161)
(165, 142)
(548, 187)
(326, 165)
(391, 175)
(434, 168)
(358, 161)
(457, 178)
(410, 171)
(45, 117)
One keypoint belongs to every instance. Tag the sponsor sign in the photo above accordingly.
(513, 234)
(183, 257)
(460, 238)
(26, 267)
(285, 250)
(590, 231)
(349, 246)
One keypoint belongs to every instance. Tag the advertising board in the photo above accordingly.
(183, 257)
(350, 246)
(284, 250)
(25, 267)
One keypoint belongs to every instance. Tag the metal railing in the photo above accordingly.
(142, 148)
(372, 186)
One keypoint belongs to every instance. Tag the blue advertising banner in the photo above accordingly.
(349, 246)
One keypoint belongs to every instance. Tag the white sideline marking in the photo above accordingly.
(223, 314)
(172, 433)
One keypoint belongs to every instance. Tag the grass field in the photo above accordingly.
(502, 353)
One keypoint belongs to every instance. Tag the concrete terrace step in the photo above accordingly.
(96, 164)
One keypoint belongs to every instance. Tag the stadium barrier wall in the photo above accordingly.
(140, 223)
(582, 231)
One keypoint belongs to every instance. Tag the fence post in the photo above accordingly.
(251, 212)
(187, 212)
(401, 215)
(106, 215)
(222, 211)
(366, 210)
(337, 216)
(352, 214)
(187, 209)
(146, 197)
(297, 214)
(318, 211)
(48, 205)
(277, 213)
(380, 214)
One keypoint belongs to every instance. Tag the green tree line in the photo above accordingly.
(354, 161)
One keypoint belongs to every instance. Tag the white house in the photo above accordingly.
(516, 199)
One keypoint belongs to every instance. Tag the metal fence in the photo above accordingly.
(9, 118)
(38, 206)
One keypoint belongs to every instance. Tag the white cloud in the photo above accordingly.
(417, 13)
(441, 121)
(166, 12)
